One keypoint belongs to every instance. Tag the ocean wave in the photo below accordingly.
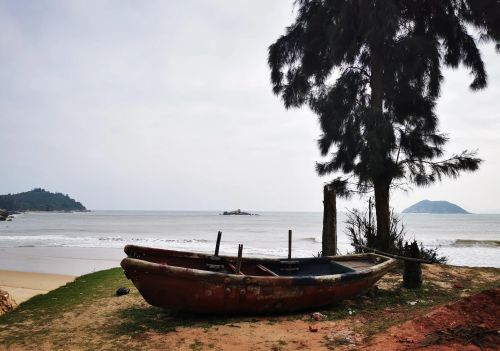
(118, 242)
(462, 243)
(303, 247)
(95, 241)
(41, 238)
(467, 242)
(312, 239)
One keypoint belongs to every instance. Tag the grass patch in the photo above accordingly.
(83, 290)
(197, 345)
(428, 295)
(333, 344)
(31, 319)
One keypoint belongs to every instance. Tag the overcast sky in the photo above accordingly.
(168, 105)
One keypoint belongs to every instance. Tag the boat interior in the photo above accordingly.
(262, 267)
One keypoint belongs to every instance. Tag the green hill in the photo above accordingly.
(427, 206)
(39, 200)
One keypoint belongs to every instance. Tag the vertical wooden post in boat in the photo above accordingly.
(219, 234)
(289, 244)
(238, 262)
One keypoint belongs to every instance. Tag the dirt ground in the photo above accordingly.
(472, 323)
(467, 324)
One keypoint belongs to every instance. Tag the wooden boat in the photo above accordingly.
(213, 284)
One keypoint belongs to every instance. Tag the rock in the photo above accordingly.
(372, 292)
(317, 316)
(7, 215)
(122, 291)
(313, 328)
(7, 303)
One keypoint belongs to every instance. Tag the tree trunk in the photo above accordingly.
(329, 239)
(376, 83)
(412, 274)
(383, 214)
(381, 183)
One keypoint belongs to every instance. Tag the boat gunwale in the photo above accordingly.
(129, 264)
(157, 252)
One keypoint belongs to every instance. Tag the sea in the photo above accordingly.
(82, 242)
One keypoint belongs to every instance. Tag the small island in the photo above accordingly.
(442, 207)
(38, 200)
(237, 212)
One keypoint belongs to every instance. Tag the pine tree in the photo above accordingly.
(372, 71)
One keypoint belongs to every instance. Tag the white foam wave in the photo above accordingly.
(313, 239)
(461, 243)
(91, 241)
(197, 245)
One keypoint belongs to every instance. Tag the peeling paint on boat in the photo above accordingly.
(193, 289)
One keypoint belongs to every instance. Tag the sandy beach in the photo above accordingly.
(29, 271)
(22, 286)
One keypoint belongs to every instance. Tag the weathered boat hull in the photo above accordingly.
(201, 291)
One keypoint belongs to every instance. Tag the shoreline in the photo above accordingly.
(71, 261)
(22, 286)
(80, 243)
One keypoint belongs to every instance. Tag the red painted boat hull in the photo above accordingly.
(202, 291)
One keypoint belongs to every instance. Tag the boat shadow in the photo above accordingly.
(136, 320)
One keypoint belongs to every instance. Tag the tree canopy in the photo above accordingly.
(39, 200)
(372, 71)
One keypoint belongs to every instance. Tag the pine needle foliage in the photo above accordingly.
(325, 60)
(371, 70)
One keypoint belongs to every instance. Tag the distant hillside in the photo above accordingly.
(39, 200)
(427, 206)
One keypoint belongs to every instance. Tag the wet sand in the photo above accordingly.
(29, 271)
(72, 261)
(22, 286)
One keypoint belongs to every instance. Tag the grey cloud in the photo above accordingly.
(167, 105)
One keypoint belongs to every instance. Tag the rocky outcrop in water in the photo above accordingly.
(237, 212)
(4, 215)
(7, 215)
